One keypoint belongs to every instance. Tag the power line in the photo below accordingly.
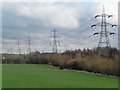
(80, 42)
(78, 33)
(84, 24)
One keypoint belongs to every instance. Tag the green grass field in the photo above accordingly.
(44, 76)
(0, 76)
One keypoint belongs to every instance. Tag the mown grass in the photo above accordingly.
(44, 76)
(0, 76)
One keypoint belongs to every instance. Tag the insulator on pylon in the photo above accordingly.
(113, 25)
(110, 16)
(112, 33)
(93, 25)
(97, 16)
(95, 33)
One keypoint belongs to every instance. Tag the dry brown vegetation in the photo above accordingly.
(86, 60)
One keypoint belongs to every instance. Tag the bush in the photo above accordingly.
(86, 60)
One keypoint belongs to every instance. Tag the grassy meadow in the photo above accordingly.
(0, 76)
(44, 76)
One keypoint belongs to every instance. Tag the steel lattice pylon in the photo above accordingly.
(18, 47)
(104, 33)
(55, 42)
(29, 45)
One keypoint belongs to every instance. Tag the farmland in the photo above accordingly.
(44, 76)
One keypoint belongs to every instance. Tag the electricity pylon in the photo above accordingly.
(11, 50)
(104, 33)
(18, 47)
(55, 42)
(29, 45)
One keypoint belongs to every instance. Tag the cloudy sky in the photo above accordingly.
(72, 20)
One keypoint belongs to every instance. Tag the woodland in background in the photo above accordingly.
(86, 60)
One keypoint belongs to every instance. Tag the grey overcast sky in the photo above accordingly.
(72, 20)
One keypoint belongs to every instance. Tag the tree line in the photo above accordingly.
(85, 60)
